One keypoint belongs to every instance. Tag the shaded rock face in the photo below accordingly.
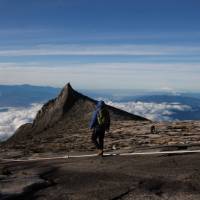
(55, 109)
(62, 123)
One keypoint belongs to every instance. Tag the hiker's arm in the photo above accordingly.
(108, 121)
(93, 120)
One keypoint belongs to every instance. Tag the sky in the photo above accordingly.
(101, 44)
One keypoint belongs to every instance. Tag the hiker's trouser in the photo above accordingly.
(98, 137)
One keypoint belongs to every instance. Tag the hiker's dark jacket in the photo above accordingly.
(94, 121)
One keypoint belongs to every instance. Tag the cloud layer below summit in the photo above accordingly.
(13, 118)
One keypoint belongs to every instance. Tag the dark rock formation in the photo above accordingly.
(55, 109)
(62, 123)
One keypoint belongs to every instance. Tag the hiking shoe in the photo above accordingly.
(100, 153)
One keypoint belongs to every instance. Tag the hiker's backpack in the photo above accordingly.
(103, 117)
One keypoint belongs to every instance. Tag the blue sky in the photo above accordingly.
(101, 44)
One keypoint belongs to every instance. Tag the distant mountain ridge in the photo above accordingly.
(170, 99)
(24, 95)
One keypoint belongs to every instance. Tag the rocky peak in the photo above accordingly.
(66, 98)
(54, 109)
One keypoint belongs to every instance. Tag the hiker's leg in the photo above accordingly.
(101, 139)
(94, 138)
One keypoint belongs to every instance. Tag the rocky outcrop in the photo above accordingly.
(55, 109)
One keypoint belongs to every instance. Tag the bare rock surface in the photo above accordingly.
(112, 177)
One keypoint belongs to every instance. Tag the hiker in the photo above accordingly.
(100, 123)
(153, 129)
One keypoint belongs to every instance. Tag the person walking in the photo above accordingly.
(100, 123)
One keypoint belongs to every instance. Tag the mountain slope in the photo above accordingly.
(62, 123)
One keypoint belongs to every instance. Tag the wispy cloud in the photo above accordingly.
(22, 31)
(148, 50)
(102, 68)
(69, 35)
(103, 75)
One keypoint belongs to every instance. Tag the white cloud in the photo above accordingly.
(121, 49)
(152, 111)
(169, 90)
(14, 118)
(103, 75)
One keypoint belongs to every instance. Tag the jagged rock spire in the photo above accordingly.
(53, 110)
